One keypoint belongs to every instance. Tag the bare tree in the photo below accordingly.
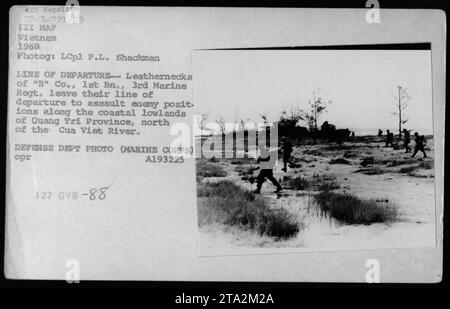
(401, 104)
(239, 124)
(221, 122)
(294, 114)
(202, 121)
(265, 118)
(316, 108)
(242, 125)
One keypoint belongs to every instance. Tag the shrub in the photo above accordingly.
(223, 189)
(206, 169)
(294, 165)
(316, 182)
(350, 209)
(339, 161)
(366, 161)
(213, 160)
(226, 203)
(244, 170)
(279, 224)
(296, 183)
(328, 186)
(349, 154)
(241, 161)
(426, 164)
(408, 169)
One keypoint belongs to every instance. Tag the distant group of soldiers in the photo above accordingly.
(267, 158)
(419, 139)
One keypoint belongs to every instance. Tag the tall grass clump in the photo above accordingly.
(339, 161)
(296, 183)
(408, 169)
(367, 161)
(350, 209)
(349, 154)
(206, 169)
(315, 183)
(241, 161)
(226, 203)
(427, 164)
(244, 170)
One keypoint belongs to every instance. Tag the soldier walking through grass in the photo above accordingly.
(266, 160)
(406, 140)
(420, 144)
(389, 138)
(287, 150)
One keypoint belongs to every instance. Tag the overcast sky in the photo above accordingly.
(362, 85)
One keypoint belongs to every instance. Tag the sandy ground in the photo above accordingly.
(412, 192)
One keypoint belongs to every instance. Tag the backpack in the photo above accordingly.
(422, 137)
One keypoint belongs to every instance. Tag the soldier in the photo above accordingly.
(407, 140)
(267, 161)
(287, 150)
(389, 138)
(420, 143)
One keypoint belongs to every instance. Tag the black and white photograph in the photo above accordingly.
(348, 162)
(267, 147)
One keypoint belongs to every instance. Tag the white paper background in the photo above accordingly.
(146, 229)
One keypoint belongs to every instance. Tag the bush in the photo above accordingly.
(316, 182)
(213, 160)
(278, 224)
(205, 169)
(223, 189)
(244, 170)
(241, 161)
(297, 183)
(408, 169)
(226, 203)
(350, 209)
(367, 161)
(349, 154)
(426, 164)
(339, 161)
(328, 186)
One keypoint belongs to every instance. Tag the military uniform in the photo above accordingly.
(267, 161)
(406, 141)
(420, 145)
(389, 139)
